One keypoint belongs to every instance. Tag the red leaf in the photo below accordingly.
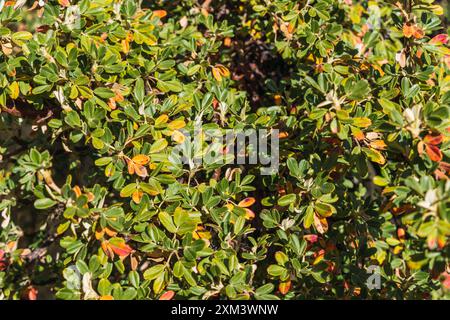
(168, 295)
(117, 246)
(31, 293)
(311, 237)
(121, 249)
(434, 140)
(439, 39)
(434, 153)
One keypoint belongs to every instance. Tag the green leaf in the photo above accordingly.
(158, 145)
(128, 190)
(167, 221)
(104, 93)
(44, 203)
(20, 37)
(139, 90)
(287, 199)
(359, 90)
(154, 272)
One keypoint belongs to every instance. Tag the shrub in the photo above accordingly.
(95, 96)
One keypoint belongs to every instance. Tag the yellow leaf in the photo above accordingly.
(375, 156)
(161, 119)
(378, 144)
(178, 137)
(229, 206)
(380, 181)
(216, 74)
(14, 88)
(125, 46)
(362, 122)
(437, 9)
(223, 70)
(176, 124)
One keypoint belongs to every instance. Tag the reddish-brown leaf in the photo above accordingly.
(433, 152)
(434, 140)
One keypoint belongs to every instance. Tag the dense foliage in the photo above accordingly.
(94, 95)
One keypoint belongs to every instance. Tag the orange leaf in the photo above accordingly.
(159, 13)
(135, 167)
(119, 97)
(227, 42)
(64, 3)
(106, 298)
(418, 33)
(433, 152)
(277, 99)
(137, 196)
(358, 134)
(408, 30)
(112, 103)
(130, 164)
(378, 144)
(283, 135)
(434, 140)
(440, 175)
(99, 234)
(247, 202)
(110, 232)
(107, 249)
(77, 191)
(284, 287)
(168, 295)
(141, 159)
